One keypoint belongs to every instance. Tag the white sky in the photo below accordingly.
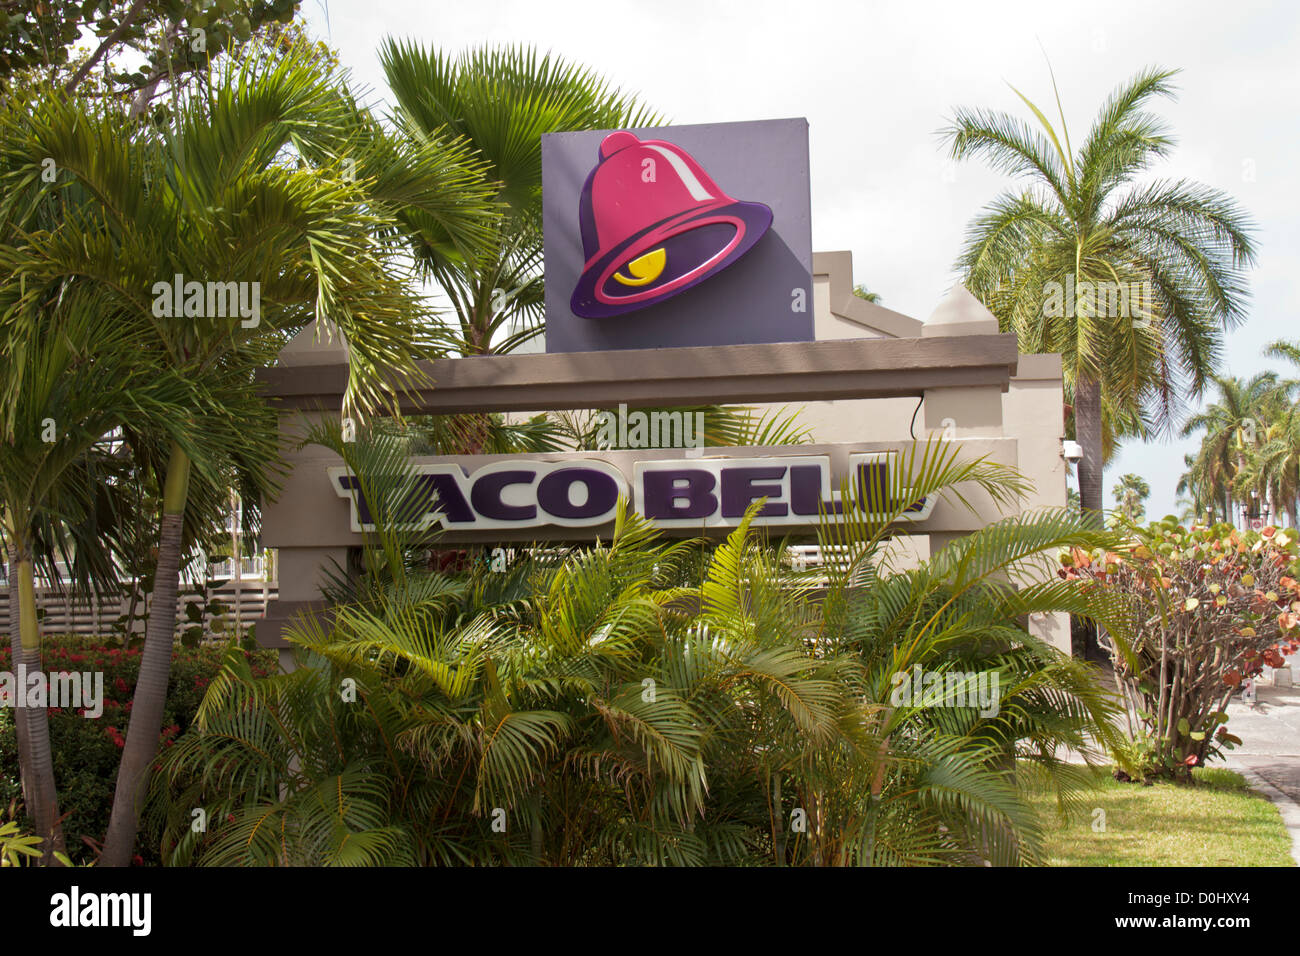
(876, 80)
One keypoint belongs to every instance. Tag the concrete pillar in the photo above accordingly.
(302, 571)
(962, 412)
(1033, 417)
(1034, 411)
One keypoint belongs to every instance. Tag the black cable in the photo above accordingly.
(911, 429)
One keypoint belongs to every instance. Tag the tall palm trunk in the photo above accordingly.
(16, 655)
(43, 799)
(143, 732)
(1087, 431)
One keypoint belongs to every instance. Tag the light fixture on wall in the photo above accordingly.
(1071, 451)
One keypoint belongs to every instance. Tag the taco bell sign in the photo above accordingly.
(677, 236)
(582, 492)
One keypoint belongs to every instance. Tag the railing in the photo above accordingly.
(805, 557)
(224, 570)
(219, 607)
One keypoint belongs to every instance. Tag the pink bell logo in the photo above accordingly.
(653, 225)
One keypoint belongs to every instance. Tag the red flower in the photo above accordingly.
(1191, 760)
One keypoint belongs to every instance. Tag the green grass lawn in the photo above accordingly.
(1218, 821)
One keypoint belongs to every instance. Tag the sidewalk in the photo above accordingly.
(1269, 756)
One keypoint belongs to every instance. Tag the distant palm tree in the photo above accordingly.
(1285, 349)
(1130, 494)
(1269, 471)
(1195, 493)
(1169, 256)
(1234, 428)
(1280, 457)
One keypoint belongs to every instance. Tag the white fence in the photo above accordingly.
(219, 607)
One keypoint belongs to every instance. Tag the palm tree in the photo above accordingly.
(222, 204)
(1284, 349)
(1130, 492)
(1233, 427)
(1269, 465)
(75, 374)
(1279, 463)
(1196, 492)
(497, 103)
(1169, 256)
(1281, 454)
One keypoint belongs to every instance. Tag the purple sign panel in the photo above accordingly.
(677, 236)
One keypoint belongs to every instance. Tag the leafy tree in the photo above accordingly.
(1207, 607)
(1155, 271)
(171, 40)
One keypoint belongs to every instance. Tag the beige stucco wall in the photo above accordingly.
(1031, 410)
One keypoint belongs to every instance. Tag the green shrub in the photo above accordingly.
(603, 718)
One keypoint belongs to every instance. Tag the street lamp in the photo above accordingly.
(1256, 513)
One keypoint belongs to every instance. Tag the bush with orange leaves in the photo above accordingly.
(1210, 606)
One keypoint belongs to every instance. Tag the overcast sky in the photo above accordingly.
(876, 80)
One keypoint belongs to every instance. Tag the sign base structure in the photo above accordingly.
(871, 386)
(321, 515)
